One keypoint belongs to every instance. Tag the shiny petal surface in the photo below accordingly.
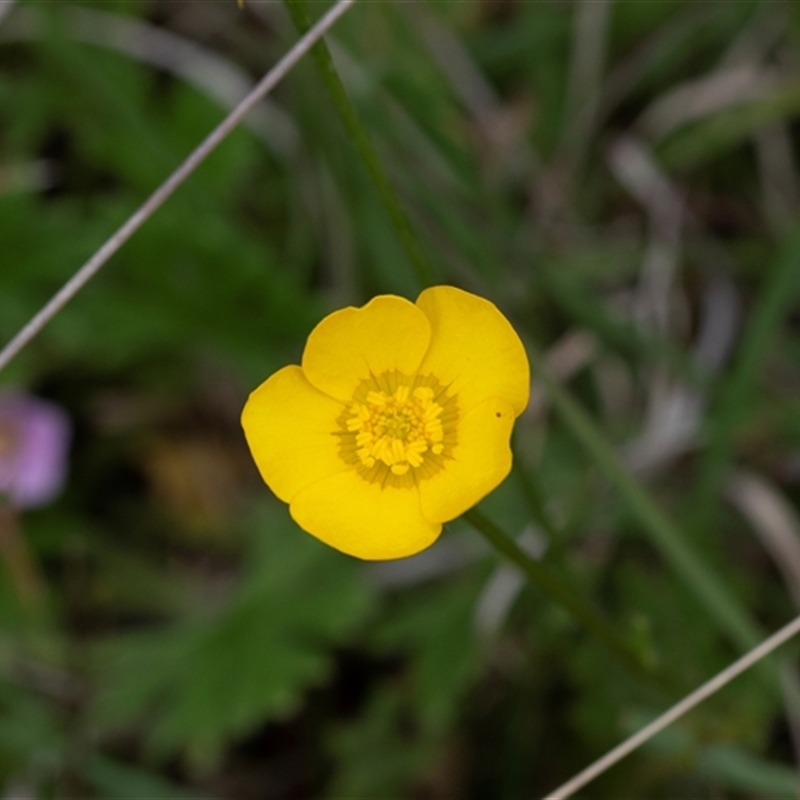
(387, 333)
(481, 460)
(474, 349)
(363, 519)
(289, 426)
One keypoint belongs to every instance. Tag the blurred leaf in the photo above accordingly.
(403, 730)
(122, 782)
(439, 632)
(30, 731)
(376, 757)
(724, 764)
(219, 678)
(719, 134)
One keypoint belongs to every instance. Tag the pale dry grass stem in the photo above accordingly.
(157, 199)
(689, 702)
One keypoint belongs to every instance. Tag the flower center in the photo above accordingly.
(398, 428)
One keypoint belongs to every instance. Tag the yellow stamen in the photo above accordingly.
(396, 428)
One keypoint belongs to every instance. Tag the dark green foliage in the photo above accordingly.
(218, 677)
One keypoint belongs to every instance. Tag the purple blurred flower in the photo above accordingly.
(34, 439)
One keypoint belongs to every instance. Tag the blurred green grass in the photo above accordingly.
(195, 642)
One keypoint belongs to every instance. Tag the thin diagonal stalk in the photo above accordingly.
(665, 535)
(157, 199)
(552, 586)
(678, 710)
(366, 152)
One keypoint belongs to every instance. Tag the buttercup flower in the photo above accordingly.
(398, 420)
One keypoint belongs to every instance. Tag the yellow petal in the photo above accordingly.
(364, 519)
(480, 462)
(290, 426)
(474, 349)
(388, 333)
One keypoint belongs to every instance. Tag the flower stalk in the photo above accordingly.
(363, 147)
(552, 586)
(712, 593)
(19, 562)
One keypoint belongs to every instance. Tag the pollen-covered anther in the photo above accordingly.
(396, 428)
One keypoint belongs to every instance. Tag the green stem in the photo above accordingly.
(22, 566)
(363, 146)
(552, 586)
(665, 535)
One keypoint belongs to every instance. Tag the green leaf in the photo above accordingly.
(210, 680)
(110, 779)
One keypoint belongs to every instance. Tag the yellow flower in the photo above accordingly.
(398, 420)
